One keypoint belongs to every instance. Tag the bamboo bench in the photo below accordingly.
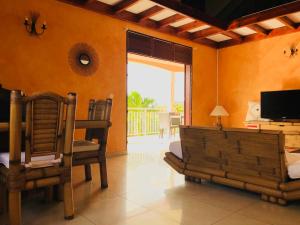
(252, 160)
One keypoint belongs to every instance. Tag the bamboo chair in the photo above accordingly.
(47, 160)
(88, 151)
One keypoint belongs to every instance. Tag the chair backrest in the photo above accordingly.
(99, 110)
(175, 120)
(255, 153)
(49, 124)
(164, 120)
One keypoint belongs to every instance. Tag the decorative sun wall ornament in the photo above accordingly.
(83, 59)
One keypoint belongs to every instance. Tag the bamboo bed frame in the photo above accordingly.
(252, 160)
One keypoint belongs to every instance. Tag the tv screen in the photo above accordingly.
(280, 105)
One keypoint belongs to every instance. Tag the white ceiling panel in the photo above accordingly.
(271, 24)
(141, 6)
(218, 37)
(163, 15)
(199, 28)
(244, 31)
(295, 17)
(110, 2)
(182, 22)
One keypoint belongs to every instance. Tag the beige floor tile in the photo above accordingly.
(149, 218)
(239, 220)
(274, 214)
(37, 213)
(227, 198)
(189, 211)
(111, 211)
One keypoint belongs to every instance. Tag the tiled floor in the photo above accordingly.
(144, 190)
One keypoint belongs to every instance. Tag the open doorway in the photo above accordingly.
(156, 106)
(158, 92)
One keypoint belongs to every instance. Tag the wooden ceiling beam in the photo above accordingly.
(278, 11)
(172, 19)
(192, 12)
(258, 29)
(257, 37)
(149, 13)
(228, 43)
(102, 8)
(189, 26)
(204, 33)
(207, 42)
(232, 35)
(287, 22)
(123, 5)
(119, 12)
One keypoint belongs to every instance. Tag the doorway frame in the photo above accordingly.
(188, 81)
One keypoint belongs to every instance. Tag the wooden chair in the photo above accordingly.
(89, 151)
(47, 160)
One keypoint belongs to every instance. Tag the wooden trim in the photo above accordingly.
(275, 12)
(123, 5)
(189, 26)
(149, 13)
(191, 12)
(287, 22)
(257, 37)
(102, 8)
(232, 35)
(207, 42)
(258, 29)
(204, 33)
(184, 11)
(169, 20)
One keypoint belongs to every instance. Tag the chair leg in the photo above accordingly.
(103, 174)
(14, 210)
(88, 172)
(59, 192)
(49, 194)
(2, 198)
(68, 201)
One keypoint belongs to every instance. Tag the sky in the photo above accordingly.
(154, 82)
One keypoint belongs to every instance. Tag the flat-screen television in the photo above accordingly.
(280, 105)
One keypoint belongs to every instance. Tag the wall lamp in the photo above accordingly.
(292, 51)
(30, 24)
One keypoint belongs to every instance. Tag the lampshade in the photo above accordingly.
(219, 111)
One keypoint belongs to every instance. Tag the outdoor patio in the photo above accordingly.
(150, 144)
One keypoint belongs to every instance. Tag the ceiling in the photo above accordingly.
(229, 10)
(214, 23)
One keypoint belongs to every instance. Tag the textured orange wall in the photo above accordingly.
(248, 69)
(41, 63)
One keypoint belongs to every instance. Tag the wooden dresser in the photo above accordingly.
(290, 129)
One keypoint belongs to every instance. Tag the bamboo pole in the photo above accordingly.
(67, 158)
(15, 133)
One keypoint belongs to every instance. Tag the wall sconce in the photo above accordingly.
(30, 24)
(292, 51)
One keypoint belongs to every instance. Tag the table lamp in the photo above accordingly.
(219, 111)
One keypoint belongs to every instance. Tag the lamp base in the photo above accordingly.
(219, 122)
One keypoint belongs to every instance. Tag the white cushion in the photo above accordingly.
(36, 162)
(85, 146)
(293, 164)
(175, 148)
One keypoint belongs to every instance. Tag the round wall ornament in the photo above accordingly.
(83, 59)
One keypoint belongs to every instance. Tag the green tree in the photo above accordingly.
(179, 107)
(137, 101)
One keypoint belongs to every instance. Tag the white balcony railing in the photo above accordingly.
(143, 121)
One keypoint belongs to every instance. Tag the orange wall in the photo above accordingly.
(248, 69)
(41, 63)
